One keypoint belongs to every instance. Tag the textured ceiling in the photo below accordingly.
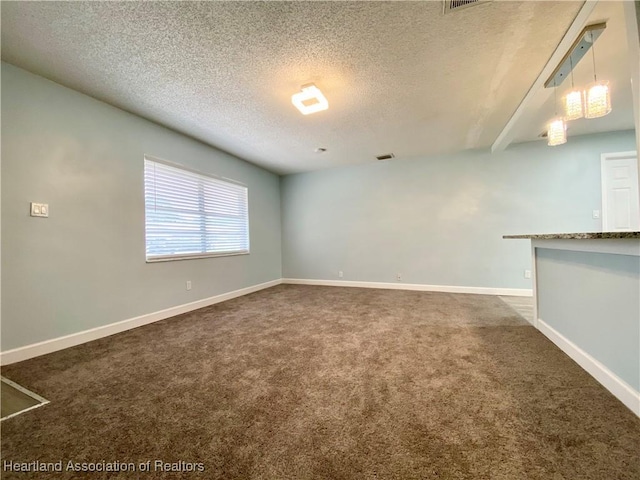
(399, 76)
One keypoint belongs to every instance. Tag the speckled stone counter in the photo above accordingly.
(577, 236)
(586, 289)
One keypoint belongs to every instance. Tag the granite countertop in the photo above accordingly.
(584, 235)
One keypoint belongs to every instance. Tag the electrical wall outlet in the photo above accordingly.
(399, 277)
(596, 214)
(340, 274)
(39, 209)
(188, 285)
(527, 274)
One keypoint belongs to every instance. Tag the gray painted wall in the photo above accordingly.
(593, 299)
(84, 266)
(440, 220)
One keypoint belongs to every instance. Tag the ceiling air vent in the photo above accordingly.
(451, 5)
(386, 156)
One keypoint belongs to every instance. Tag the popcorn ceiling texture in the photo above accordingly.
(399, 76)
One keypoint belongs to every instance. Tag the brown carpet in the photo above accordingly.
(300, 382)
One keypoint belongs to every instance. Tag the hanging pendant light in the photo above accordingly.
(573, 105)
(557, 132)
(598, 100)
(557, 129)
(598, 96)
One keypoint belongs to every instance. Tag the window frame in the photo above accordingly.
(191, 256)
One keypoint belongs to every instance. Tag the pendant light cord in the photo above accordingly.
(593, 56)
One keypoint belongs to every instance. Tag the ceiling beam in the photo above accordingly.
(508, 132)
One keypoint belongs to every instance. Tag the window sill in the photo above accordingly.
(190, 256)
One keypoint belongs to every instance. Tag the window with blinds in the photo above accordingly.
(191, 215)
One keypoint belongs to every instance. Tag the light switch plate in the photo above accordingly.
(39, 209)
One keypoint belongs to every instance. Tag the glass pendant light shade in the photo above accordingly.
(597, 100)
(557, 132)
(573, 108)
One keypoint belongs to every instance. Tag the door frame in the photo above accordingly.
(603, 162)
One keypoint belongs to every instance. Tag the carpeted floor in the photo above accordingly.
(301, 382)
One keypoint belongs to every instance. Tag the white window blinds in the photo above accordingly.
(191, 215)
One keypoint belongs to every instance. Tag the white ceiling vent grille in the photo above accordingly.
(455, 5)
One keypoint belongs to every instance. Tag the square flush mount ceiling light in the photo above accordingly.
(309, 100)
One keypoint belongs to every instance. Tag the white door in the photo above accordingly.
(620, 201)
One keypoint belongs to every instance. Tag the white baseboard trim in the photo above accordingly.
(618, 387)
(516, 292)
(60, 343)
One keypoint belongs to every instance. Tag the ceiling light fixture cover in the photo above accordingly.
(598, 100)
(309, 100)
(557, 132)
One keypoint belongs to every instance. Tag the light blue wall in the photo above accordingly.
(593, 299)
(436, 220)
(440, 220)
(84, 266)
